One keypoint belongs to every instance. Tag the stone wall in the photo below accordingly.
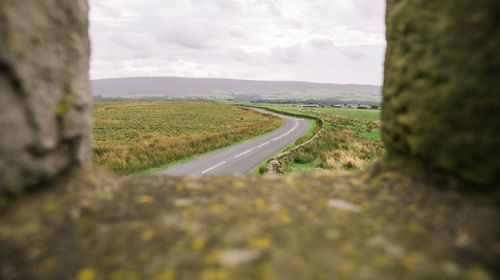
(281, 161)
(44, 91)
(440, 110)
(440, 105)
(441, 102)
(278, 163)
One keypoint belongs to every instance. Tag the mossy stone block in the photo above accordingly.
(441, 103)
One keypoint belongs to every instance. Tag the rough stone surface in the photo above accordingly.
(44, 91)
(441, 104)
(374, 225)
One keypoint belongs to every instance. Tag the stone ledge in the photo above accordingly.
(374, 225)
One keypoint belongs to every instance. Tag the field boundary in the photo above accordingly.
(278, 163)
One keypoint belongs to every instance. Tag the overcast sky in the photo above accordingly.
(339, 41)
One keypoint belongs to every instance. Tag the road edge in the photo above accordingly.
(152, 171)
(278, 162)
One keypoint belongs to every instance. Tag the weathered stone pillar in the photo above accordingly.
(44, 91)
(441, 91)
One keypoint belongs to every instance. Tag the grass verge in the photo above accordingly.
(156, 169)
(132, 137)
(261, 168)
(351, 141)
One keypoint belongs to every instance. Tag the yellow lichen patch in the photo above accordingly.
(124, 275)
(366, 206)
(288, 180)
(214, 274)
(62, 109)
(415, 228)
(86, 274)
(284, 217)
(51, 206)
(349, 250)
(227, 195)
(412, 207)
(218, 208)
(144, 256)
(260, 242)
(92, 179)
(413, 260)
(198, 244)
(146, 199)
(188, 210)
(381, 261)
(332, 234)
(168, 274)
(238, 184)
(265, 272)
(211, 258)
(260, 204)
(147, 235)
(347, 268)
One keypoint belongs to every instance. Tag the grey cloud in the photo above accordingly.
(226, 4)
(246, 58)
(249, 39)
(188, 36)
(370, 8)
(287, 55)
(237, 33)
(296, 24)
(321, 43)
(106, 11)
(274, 6)
(352, 54)
(126, 42)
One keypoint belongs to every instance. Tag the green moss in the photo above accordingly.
(441, 98)
(62, 109)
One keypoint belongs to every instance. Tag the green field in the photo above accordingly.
(340, 96)
(130, 137)
(361, 114)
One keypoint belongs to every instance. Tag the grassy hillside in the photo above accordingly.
(351, 142)
(130, 137)
(175, 88)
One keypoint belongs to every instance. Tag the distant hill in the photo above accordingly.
(174, 87)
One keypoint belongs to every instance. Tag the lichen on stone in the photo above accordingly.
(310, 226)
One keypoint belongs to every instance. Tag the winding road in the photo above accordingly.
(244, 157)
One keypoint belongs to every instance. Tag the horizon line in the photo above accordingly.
(251, 80)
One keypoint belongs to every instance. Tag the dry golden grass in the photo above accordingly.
(351, 141)
(130, 137)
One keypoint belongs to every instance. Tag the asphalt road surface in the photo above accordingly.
(244, 157)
